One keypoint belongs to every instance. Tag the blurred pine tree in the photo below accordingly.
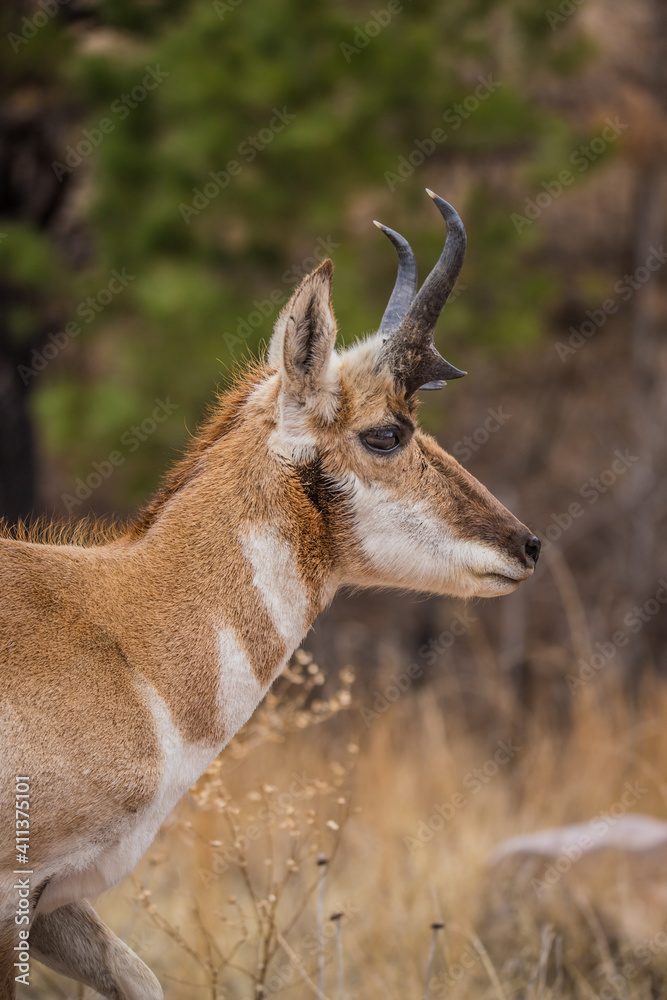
(203, 149)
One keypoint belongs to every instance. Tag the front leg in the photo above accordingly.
(73, 940)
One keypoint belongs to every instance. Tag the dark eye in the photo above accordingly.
(381, 439)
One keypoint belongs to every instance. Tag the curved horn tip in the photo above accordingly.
(378, 224)
(436, 197)
(447, 211)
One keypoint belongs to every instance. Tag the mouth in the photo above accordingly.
(497, 584)
(505, 581)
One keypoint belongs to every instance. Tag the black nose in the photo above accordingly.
(532, 549)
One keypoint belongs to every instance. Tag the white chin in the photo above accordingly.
(495, 585)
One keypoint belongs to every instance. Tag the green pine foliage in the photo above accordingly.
(230, 144)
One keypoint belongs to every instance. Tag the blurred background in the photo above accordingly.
(168, 173)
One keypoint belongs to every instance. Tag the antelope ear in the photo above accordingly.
(304, 336)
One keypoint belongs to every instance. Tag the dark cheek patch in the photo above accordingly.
(325, 494)
(318, 487)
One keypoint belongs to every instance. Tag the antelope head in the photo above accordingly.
(402, 512)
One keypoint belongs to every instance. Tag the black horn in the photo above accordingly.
(405, 288)
(410, 347)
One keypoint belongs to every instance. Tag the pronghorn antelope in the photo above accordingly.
(129, 664)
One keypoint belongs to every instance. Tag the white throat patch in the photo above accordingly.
(276, 576)
(239, 691)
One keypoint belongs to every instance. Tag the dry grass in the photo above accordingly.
(226, 902)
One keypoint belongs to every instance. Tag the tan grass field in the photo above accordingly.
(406, 807)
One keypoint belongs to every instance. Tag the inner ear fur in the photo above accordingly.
(304, 337)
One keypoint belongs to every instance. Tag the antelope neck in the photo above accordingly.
(217, 595)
